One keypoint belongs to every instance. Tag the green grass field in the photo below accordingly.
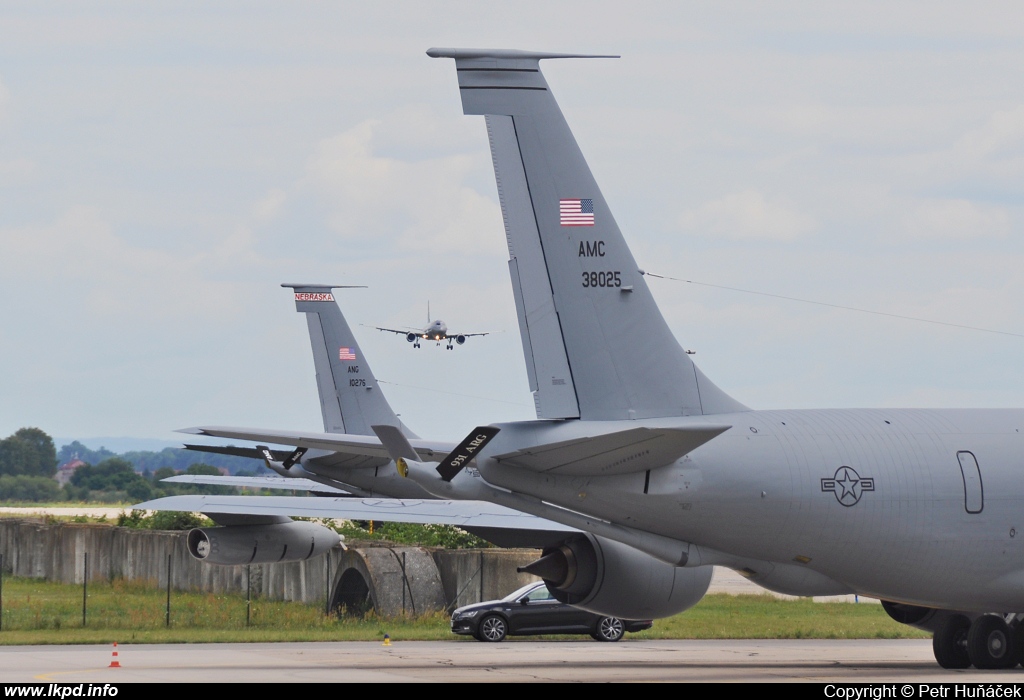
(37, 612)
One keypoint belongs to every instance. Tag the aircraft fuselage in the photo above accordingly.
(435, 331)
(887, 503)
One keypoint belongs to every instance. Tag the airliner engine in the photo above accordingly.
(410, 337)
(460, 339)
(609, 578)
(927, 619)
(260, 544)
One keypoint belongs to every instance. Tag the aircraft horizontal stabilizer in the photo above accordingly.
(362, 445)
(508, 54)
(623, 452)
(427, 512)
(251, 452)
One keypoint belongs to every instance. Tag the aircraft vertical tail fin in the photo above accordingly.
(350, 398)
(595, 342)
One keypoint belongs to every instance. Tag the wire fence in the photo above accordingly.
(36, 604)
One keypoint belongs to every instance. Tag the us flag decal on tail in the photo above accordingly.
(576, 212)
(346, 354)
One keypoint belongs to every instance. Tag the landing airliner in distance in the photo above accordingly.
(435, 330)
(660, 474)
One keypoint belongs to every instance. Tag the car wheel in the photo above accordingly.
(493, 628)
(609, 629)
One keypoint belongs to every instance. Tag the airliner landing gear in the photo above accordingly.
(949, 644)
(416, 344)
(986, 643)
(990, 643)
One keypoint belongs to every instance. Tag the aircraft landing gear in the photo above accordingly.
(986, 643)
(990, 643)
(416, 344)
(449, 346)
(949, 644)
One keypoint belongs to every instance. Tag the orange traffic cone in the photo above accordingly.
(114, 662)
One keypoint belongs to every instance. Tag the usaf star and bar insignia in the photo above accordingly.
(847, 485)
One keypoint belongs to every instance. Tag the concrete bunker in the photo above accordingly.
(391, 581)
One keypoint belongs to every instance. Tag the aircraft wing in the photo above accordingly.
(254, 482)
(407, 331)
(366, 445)
(452, 334)
(622, 452)
(464, 514)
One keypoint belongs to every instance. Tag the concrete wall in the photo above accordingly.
(472, 575)
(398, 580)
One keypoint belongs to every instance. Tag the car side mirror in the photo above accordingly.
(524, 601)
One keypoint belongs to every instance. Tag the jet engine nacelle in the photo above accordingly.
(411, 337)
(610, 578)
(927, 619)
(260, 544)
(460, 339)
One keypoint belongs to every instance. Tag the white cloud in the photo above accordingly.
(1004, 132)
(418, 205)
(747, 215)
(957, 219)
(991, 149)
(18, 171)
(109, 277)
(5, 99)
(270, 206)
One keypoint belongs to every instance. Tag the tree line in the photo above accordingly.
(29, 461)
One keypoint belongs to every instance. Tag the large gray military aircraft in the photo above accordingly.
(661, 472)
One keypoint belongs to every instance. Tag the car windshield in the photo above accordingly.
(520, 592)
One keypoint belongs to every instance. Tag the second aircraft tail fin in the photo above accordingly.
(350, 398)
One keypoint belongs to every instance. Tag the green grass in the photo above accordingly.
(722, 616)
(37, 612)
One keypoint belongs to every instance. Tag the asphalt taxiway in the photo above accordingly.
(840, 661)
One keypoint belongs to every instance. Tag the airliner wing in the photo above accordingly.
(465, 514)
(405, 332)
(365, 445)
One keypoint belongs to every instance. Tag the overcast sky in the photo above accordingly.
(165, 166)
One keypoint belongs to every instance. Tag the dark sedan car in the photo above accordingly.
(533, 610)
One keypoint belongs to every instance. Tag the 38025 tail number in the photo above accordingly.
(602, 279)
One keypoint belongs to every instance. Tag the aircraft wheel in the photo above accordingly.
(1018, 641)
(609, 629)
(949, 644)
(493, 628)
(990, 643)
